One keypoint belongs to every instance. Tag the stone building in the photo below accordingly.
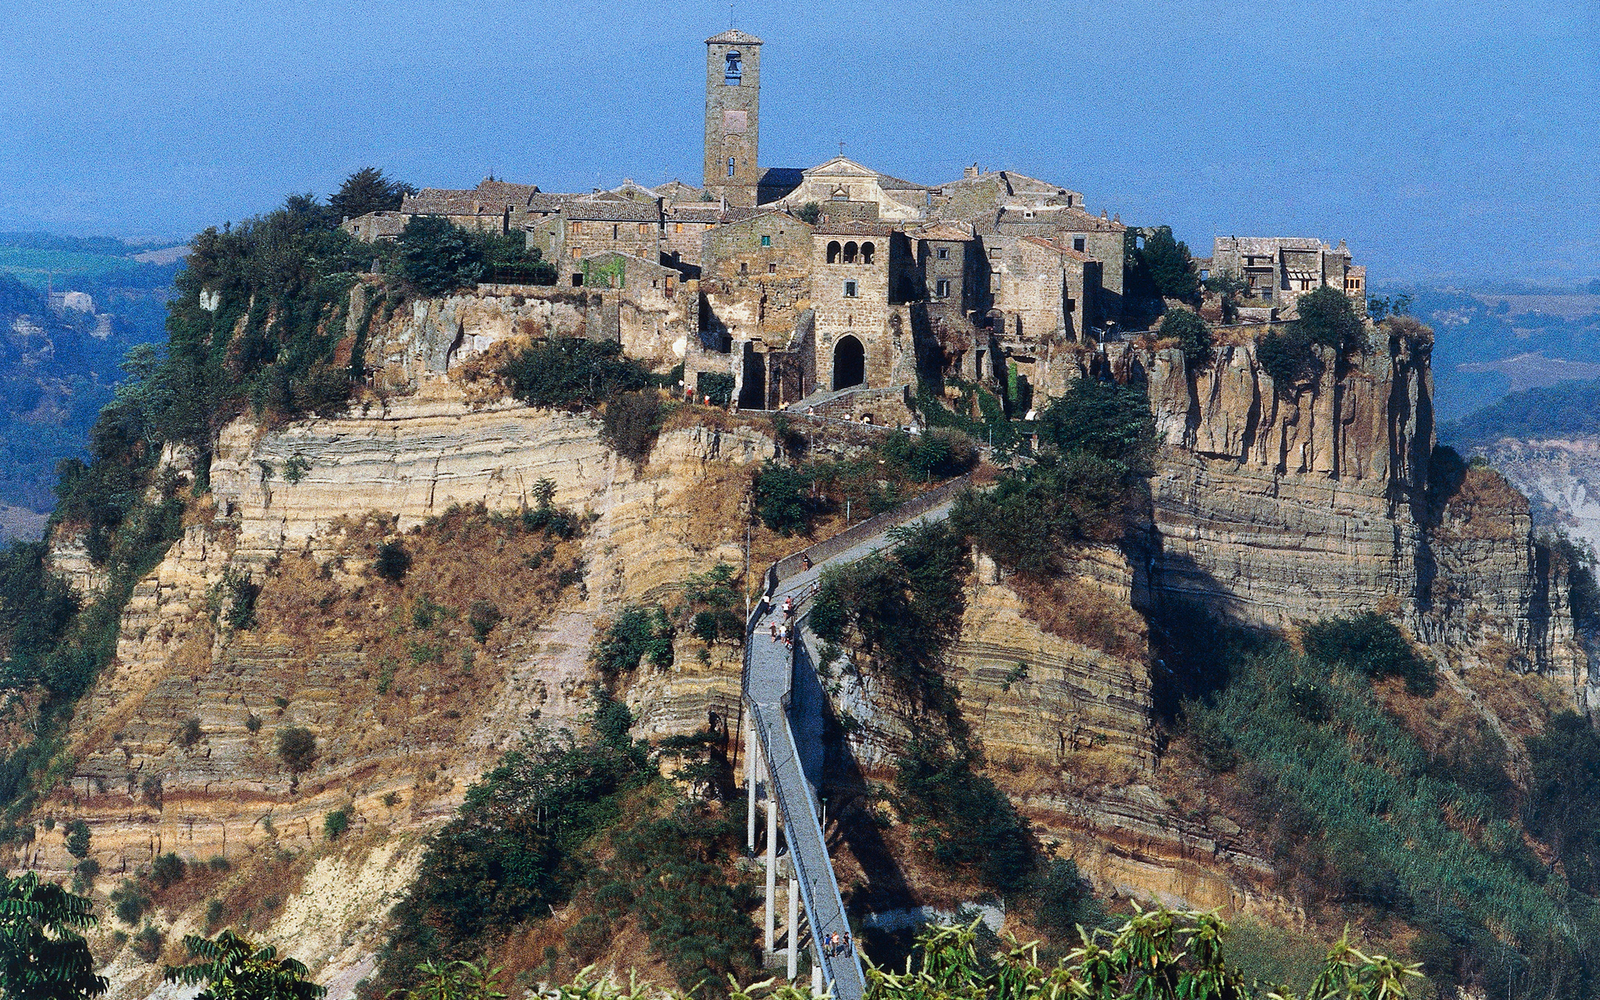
(594, 225)
(844, 189)
(493, 206)
(1105, 240)
(1277, 270)
(861, 282)
(733, 117)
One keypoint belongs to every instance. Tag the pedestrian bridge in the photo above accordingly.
(776, 774)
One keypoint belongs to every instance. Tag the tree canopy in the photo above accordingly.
(1168, 266)
(42, 955)
(232, 968)
(367, 190)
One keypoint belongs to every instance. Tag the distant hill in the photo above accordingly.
(1492, 342)
(1566, 410)
(58, 367)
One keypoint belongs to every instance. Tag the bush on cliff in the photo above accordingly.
(1287, 357)
(1190, 331)
(1327, 318)
(572, 372)
(1373, 645)
(437, 256)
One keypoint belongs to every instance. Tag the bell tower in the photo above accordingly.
(733, 108)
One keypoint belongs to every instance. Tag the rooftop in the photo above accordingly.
(733, 36)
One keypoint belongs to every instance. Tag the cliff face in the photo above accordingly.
(406, 714)
(1272, 506)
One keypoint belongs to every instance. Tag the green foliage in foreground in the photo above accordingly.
(231, 968)
(42, 955)
(1358, 813)
(1155, 955)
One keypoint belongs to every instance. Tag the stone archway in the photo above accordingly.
(849, 363)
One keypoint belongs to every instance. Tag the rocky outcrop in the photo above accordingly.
(1273, 505)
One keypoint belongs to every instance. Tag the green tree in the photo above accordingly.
(1103, 419)
(1166, 263)
(809, 213)
(232, 968)
(367, 190)
(78, 838)
(1190, 331)
(297, 748)
(42, 955)
(437, 256)
(1327, 318)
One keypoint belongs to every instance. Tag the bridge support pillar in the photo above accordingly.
(816, 974)
(772, 871)
(794, 926)
(751, 752)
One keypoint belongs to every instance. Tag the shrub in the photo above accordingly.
(1191, 333)
(782, 499)
(214, 913)
(1371, 644)
(1103, 419)
(129, 903)
(189, 733)
(297, 748)
(1327, 318)
(1287, 358)
(436, 256)
(77, 837)
(88, 868)
(393, 561)
(569, 371)
(167, 870)
(482, 617)
(1064, 900)
(147, 944)
(631, 422)
(252, 723)
(335, 822)
(634, 634)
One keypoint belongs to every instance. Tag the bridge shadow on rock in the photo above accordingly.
(838, 778)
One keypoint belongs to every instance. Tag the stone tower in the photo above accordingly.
(733, 108)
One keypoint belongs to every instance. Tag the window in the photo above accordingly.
(733, 72)
(744, 269)
(944, 253)
(677, 227)
(942, 289)
(850, 290)
(766, 241)
(772, 267)
(850, 250)
(577, 227)
(644, 229)
(833, 251)
(1079, 243)
(615, 230)
(867, 250)
(730, 166)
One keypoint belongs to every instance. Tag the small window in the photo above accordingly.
(1079, 242)
(772, 267)
(942, 289)
(744, 269)
(730, 166)
(944, 253)
(766, 241)
(644, 229)
(733, 72)
(677, 227)
(850, 290)
(615, 231)
(577, 227)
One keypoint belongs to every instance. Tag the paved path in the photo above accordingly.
(769, 679)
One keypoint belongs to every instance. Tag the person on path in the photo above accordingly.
(773, 626)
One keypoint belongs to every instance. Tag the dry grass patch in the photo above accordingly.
(1080, 612)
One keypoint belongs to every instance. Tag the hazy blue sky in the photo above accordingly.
(1438, 138)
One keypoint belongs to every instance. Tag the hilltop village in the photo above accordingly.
(796, 284)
